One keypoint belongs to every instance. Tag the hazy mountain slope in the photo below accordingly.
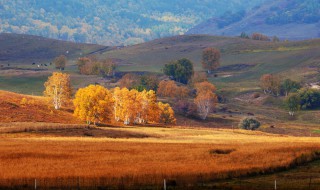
(24, 48)
(243, 60)
(111, 22)
(287, 19)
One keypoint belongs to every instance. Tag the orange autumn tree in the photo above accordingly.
(93, 104)
(149, 110)
(58, 89)
(132, 106)
(170, 89)
(210, 59)
(60, 62)
(270, 84)
(205, 99)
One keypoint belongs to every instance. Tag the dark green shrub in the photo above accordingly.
(249, 124)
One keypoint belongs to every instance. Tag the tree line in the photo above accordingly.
(95, 103)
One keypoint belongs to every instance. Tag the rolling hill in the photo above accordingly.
(288, 19)
(20, 48)
(32, 109)
(260, 57)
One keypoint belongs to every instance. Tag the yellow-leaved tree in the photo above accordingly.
(166, 114)
(205, 99)
(93, 104)
(58, 89)
(149, 109)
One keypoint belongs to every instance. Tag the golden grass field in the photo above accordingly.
(183, 154)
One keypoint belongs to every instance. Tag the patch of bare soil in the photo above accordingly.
(252, 97)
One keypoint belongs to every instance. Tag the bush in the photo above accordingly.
(249, 124)
(185, 108)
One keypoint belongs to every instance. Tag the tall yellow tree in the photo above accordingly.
(166, 114)
(58, 88)
(93, 104)
(205, 99)
(149, 109)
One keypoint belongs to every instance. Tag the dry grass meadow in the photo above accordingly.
(58, 151)
(185, 155)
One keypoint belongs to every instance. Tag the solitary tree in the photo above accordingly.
(205, 99)
(270, 84)
(210, 59)
(93, 104)
(58, 88)
(292, 103)
(60, 62)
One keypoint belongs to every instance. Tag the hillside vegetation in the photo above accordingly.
(288, 19)
(110, 22)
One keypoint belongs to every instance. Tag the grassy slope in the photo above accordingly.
(26, 49)
(37, 109)
(267, 57)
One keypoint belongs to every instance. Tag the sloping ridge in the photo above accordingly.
(255, 21)
(15, 47)
(23, 108)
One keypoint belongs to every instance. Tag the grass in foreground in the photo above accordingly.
(187, 156)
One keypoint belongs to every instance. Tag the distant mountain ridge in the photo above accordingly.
(110, 22)
(287, 19)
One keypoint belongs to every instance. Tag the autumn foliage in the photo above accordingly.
(91, 66)
(60, 62)
(270, 84)
(205, 99)
(259, 36)
(58, 89)
(98, 104)
(93, 104)
(172, 90)
(210, 59)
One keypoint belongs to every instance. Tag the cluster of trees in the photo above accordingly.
(259, 36)
(98, 104)
(92, 66)
(139, 82)
(296, 97)
(117, 22)
(171, 89)
(203, 101)
(180, 70)
(304, 98)
(272, 84)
